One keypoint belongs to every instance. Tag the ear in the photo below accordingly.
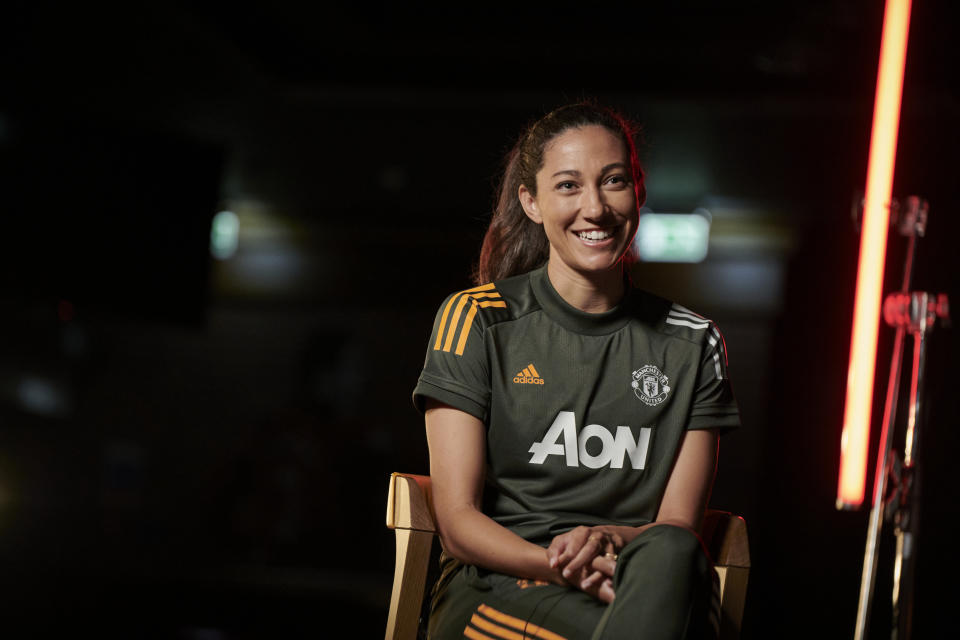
(529, 204)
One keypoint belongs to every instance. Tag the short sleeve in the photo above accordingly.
(455, 370)
(714, 406)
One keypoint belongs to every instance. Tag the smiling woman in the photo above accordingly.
(512, 244)
(572, 420)
(588, 207)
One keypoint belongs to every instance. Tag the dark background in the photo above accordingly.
(199, 448)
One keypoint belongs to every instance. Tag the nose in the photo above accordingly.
(594, 205)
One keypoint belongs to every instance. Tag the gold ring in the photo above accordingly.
(611, 556)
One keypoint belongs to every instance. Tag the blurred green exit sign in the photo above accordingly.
(673, 237)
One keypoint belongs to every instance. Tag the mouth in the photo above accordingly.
(592, 236)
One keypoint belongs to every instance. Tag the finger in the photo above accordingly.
(618, 542)
(560, 547)
(551, 557)
(592, 580)
(566, 553)
(605, 592)
(573, 542)
(606, 564)
(585, 555)
(581, 559)
(553, 552)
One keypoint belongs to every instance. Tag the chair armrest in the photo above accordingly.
(410, 515)
(410, 503)
(725, 535)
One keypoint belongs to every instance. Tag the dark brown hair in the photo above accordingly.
(514, 244)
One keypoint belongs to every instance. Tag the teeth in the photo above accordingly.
(595, 235)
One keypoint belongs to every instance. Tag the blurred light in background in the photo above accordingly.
(43, 396)
(224, 235)
(270, 252)
(855, 437)
(741, 265)
(672, 237)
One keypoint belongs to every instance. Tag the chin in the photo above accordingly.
(598, 268)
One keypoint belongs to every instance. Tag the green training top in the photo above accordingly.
(584, 412)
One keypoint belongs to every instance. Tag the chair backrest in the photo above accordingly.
(410, 514)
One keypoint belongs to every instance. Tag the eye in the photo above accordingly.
(617, 180)
(566, 185)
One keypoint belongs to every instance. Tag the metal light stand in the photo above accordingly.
(896, 483)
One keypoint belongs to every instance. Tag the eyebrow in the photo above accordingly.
(575, 173)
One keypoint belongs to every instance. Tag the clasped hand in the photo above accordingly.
(587, 557)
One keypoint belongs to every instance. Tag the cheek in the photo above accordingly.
(557, 230)
(555, 226)
(553, 229)
(561, 211)
(628, 200)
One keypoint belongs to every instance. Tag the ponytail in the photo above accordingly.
(513, 243)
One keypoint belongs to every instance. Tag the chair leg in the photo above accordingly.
(409, 582)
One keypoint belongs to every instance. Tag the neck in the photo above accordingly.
(592, 292)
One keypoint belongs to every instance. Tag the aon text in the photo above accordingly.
(562, 439)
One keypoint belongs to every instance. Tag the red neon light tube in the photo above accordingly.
(873, 245)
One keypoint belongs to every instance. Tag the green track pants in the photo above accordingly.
(665, 585)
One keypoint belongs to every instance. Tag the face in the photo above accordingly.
(585, 200)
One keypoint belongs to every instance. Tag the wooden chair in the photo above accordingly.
(410, 514)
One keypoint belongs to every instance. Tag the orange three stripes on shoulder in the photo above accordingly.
(478, 297)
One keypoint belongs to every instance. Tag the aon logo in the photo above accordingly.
(562, 440)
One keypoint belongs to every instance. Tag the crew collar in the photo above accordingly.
(569, 317)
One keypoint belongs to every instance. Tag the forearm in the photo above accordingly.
(474, 538)
(627, 533)
(623, 532)
(457, 441)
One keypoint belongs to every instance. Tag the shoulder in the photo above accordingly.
(493, 302)
(473, 311)
(674, 320)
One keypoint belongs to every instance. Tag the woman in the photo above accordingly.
(572, 420)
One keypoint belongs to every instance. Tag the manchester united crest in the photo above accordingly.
(650, 385)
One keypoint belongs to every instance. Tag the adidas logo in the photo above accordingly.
(529, 375)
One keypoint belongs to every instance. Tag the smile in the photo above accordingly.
(595, 234)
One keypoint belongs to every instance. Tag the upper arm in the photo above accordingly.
(691, 480)
(457, 444)
(455, 369)
(714, 405)
(453, 392)
(713, 410)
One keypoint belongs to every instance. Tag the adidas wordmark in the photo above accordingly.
(529, 375)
